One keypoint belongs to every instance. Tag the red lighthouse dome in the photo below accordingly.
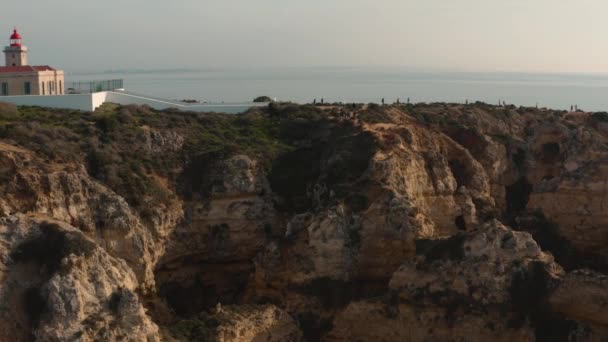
(15, 38)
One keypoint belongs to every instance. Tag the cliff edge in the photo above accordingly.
(304, 223)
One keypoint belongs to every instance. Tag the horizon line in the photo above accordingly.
(134, 70)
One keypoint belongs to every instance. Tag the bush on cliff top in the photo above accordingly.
(600, 117)
(122, 147)
(114, 142)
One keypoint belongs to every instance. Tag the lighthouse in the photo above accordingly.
(16, 53)
(19, 78)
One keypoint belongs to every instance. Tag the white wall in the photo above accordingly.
(97, 99)
(89, 102)
(126, 98)
(78, 101)
(130, 99)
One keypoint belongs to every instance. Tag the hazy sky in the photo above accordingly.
(504, 35)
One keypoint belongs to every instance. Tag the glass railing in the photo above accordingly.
(88, 87)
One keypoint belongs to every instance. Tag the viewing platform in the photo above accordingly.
(90, 87)
(88, 96)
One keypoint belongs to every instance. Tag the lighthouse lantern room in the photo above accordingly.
(16, 53)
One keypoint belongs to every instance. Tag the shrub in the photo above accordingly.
(51, 246)
(600, 117)
(198, 329)
(8, 109)
(375, 114)
(262, 99)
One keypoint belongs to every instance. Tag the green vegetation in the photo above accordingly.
(600, 117)
(262, 99)
(433, 118)
(121, 146)
(336, 157)
(129, 147)
(258, 136)
(312, 155)
(375, 113)
(201, 328)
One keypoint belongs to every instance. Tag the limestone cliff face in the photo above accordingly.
(394, 223)
(58, 285)
(416, 184)
(588, 305)
(256, 323)
(572, 165)
(437, 176)
(218, 239)
(65, 192)
(458, 288)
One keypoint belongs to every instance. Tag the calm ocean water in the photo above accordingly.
(559, 91)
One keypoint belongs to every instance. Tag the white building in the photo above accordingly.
(20, 78)
(43, 86)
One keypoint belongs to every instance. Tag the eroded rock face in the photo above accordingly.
(420, 324)
(58, 285)
(255, 323)
(458, 288)
(583, 221)
(582, 296)
(563, 181)
(66, 193)
(218, 239)
(235, 323)
(417, 223)
(438, 177)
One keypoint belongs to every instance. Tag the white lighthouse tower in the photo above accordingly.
(16, 54)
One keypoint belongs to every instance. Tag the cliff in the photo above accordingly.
(288, 223)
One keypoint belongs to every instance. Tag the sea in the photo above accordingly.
(363, 85)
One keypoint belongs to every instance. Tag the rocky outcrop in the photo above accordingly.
(218, 239)
(418, 223)
(420, 324)
(255, 323)
(568, 173)
(65, 192)
(58, 285)
(476, 287)
(236, 324)
(582, 296)
(583, 221)
(438, 177)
